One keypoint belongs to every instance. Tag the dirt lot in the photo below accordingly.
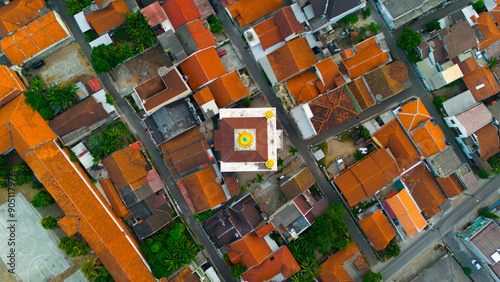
(345, 150)
(139, 69)
(269, 196)
(68, 64)
(449, 92)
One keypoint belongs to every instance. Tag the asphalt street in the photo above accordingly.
(134, 123)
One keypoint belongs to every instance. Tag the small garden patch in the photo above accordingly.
(111, 139)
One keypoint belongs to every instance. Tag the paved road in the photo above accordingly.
(134, 123)
(448, 223)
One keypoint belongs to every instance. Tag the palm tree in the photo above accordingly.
(492, 63)
(310, 267)
(181, 255)
(293, 150)
(280, 162)
(139, 29)
(37, 84)
(90, 269)
(260, 178)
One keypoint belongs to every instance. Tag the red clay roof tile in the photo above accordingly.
(407, 212)
(203, 96)
(332, 269)
(155, 14)
(202, 36)
(114, 199)
(451, 185)
(268, 33)
(295, 56)
(489, 30)
(481, 83)
(202, 67)
(487, 138)
(281, 261)
(180, 12)
(227, 89)
(250, 251)
(303, 87)
(412, 114)
(10, 85)
(127, 167)
(17, 14)
(287, 22)
(248, 11)
(378, 229)
(368, 59)
(429, 139)
(108, 18)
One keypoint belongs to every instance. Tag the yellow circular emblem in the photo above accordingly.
(245, 139)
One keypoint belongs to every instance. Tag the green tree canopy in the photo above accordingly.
(479, 6)
(372, 277)
(409, 39)
(23, 173)
(373, 27)
(73, 247)
(42, 199)
(139, 30)
(215, 24)
(49, 222)
(90, 268)
(237, 270)
(432, 25)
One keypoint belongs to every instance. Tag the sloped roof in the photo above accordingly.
(407, 212)
(17, 14)
(268, 33)
(424, 189)
(303, 87)
(481, 83)
(250, 251)
(162, 89)
(291, 58)
(10, 84)
(186, 151)
(227, 89)
(186, 276)
(202, 36)
(393, 137)
(367, 176)
(203, 96)
(367, 59)
(108, 18)
(298, 184)
(347, 53)
(248, 11)
(474, 118)
(281, 261)
(332, 9)
(180, 12)
(332, 269)
(489, 30)
(287, 22)
(155, 14)
(127, 166)
(388, 80)
(495, 13)
(224, 139)
(329, 74)
(468, 66)
(202, 67)
(361, 93)
(451, 185)
(378, 229)
(429, 139)
(487, 138)
(69, 225)
(86, 113)
(413, 114)
(33, 38)
(201, 190)
(113, 198)
(459, 38)
(332, 109)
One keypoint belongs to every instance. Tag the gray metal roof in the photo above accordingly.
(334, 8)
(445, 162)
(169, 41)
(398, 8)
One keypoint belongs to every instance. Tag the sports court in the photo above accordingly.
(37, 255)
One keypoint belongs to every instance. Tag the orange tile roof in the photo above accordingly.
(281, 261)
(33, 38)
(360, 47)
(297, 185)
(489, 30)
(407, 212)
(248, 11)
(203, 96)
(180, 12)
(481, 83)
(250, 251)
(108, 237)
(495, 13)
(10, 84)
(227, 89)
(127, 167)
(186, 276)
(347, 53)
(365, 61)
(424, 189)
(451, 185)
(295, 56)
(154, 13)
(367, 176)
(393, 137)
(378, 229)
(114, 199)
(361, 93)
(202, 67)
(268, 33)
(69, 225)
(265, 230)
(413, 114)
(487, 138)
(201, 190)
(18, 13)
(303, 87)
(429, 139)
(332, 109)
(332, 269)
(202, 36)
(108, 18)
(327, 72)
